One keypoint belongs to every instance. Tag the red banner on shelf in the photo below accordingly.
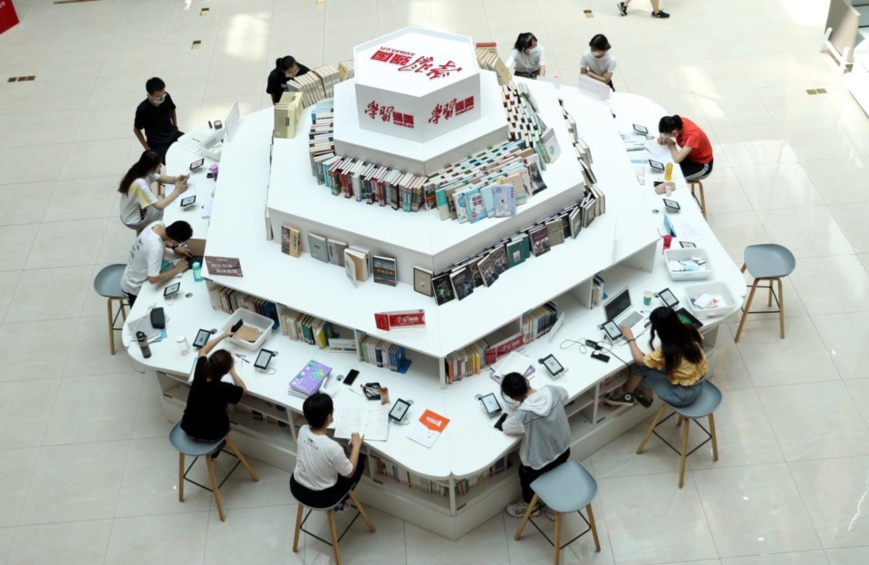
(400, 320)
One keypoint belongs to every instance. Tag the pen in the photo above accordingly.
(372, 390)
(357, 392)
(242, 357)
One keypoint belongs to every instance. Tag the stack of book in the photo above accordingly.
(382, 354)
(311, 87)
(287, 114)
(525, 123)
(463, 486)
(487, 57)
(329, 76)
(537, 322)
(346, 69)
(370, 183)
(228, 300)
(321, 137)
(466, 362)
(303, 327)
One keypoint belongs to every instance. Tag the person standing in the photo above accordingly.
(657, 12)
(689, 146)
(597, 62)
(528, 58)
(286, 69)
(157, 117)
(146, 256)
(139, 205)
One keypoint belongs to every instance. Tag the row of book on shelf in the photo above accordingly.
(388, 469)
(229, 300)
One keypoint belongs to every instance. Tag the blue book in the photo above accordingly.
(504, 200)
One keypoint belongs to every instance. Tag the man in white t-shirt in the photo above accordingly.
(146, 256)
(597, 62)
(324, 474)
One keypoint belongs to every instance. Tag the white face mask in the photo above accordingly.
(534, 51)
(158, 101)
(153, 176)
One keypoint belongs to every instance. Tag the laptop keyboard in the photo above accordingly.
(632, 319)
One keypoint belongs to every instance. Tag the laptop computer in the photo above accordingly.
(619, 310)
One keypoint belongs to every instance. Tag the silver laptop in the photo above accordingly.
(618, 309)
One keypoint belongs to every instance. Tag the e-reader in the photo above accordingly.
(171, 289)
(263, 359)
(668, 298)
(490, 403)
(641, 129)
(656, 165)
(189, 201)
(671, 205)
(196, 164)
(552, 365)
(399, 410)
(351, 376)
(687, 244)
(611, 330)
(202, 337)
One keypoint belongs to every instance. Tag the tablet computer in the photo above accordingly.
(196, 164)
(202, 337)
(656, 165)
(668, 298)
(171, 289)
(189, 201)
(490, 403)
(552, 365)
(611, 330)
(399, 410)
(263, 359)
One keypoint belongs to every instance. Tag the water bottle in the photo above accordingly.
(197, 271)
(142, 340)
(668, 173)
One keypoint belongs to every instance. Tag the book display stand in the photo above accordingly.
(468, 475)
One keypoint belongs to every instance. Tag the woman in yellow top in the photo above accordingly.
(674, 370)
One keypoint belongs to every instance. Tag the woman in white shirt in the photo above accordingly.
(597, 62)
(527, 58)
(139, 205)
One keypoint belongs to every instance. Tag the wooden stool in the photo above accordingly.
(330, 515)
(186, 445)
(565, 489)
(705, 405)
(107, 283)
(702, 201)
(767, 262)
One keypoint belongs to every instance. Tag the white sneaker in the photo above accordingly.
(518, 509)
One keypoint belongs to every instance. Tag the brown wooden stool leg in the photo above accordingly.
(526, 517)
(362, 511)
(557, 537)
(593, 527)
(111, 327)
(210, 464)
(180, 477)
(745, 310)
(714, 437)
(702, 200)
(299, 515)
(781, 308)
(241, 458)
(684, 452)
(334, 533)
(651, 428)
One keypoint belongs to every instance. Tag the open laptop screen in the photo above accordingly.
(620, 303)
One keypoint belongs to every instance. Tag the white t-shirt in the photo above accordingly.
(146, 258)
(606, 64)
(135, 201)
(527, 62)
(319, 460)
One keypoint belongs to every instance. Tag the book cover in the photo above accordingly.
(539, 240)
(463, 283)
(555, 232)
(499, 259)
(336, 251)
(474, 202)
(575, 219)
(286, 239)
(518, 249)
(550, 145)
(295, 242)
(537, 183)
(505, 200)
(443, 289)
(487, 270)
(354, 266)
(422, 281)
(461, 205)
(428, 428)
(310, 378)
(475, 272)
(385, 270)
(488, 194)
(317, 247)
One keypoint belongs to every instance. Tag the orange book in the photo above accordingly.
(428, 428)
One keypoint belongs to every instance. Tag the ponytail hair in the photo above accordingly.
(524, 41)
(219, 363)
(670, 123)
(148, 162)
(285, 63)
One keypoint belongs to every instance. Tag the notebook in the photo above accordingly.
(372, 423)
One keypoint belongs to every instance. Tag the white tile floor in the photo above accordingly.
(86, 474)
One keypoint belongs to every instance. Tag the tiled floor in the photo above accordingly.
(86, 473)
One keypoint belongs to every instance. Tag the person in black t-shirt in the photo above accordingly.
(206, 417)
(286, 69)
(156, 115)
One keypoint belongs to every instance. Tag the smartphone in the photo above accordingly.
(351, 376)
(202, 337)
(196, 164)
(189, 201)
(171, 289)
(656, 165)
(612, 331)
(668, 298)
(687, 244)
(399, 410)
(490, 403)
(671, 205)
(552, 365)
(263, 359)
(600, 356)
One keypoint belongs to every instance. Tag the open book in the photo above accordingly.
(373, 423)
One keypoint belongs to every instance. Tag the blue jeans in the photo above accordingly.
(675, 395)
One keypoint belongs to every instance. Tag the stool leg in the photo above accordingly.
(180, 477)
(362, 511)
(593, 527)
(526, 517)
(679, 422)
(742, 269)
(651, 428)
(684, 452)
(111, 327)
(781, 308)
(210, 464)
(299, 515)
(241, 458)
(334, 534)
(557, 536)
(702, 200)
(123, 309)
(714, 437)
(745, 311)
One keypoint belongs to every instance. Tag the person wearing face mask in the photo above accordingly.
(597, 62)
(286, 69)
(527, 58)
(139, 205)
(156, 116)
(657, 12)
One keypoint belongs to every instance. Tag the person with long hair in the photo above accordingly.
(205, 417)
(139, 205)
(286, 69)
(528, 58)
(673, 370)
(689, 146)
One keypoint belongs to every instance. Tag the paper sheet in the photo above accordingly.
(373, 423)
(422, 435)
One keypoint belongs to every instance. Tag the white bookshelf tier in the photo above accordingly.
(420, 157)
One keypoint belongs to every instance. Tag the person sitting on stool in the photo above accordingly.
(680, 349)
(139, 205)
(286, 69)
(689, 146)
(146, 256)
(542, 421)
(324, 474)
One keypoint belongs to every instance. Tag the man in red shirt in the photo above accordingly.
(688, 144)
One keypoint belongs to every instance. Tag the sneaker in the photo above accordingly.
(641, 398)
(660, 14)
(340, 507)
(623, 8)
(216, 452)
(518, 509)
(549, 512)
(619, 398)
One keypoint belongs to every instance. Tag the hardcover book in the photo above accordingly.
(310, 378)
(475, 272)
(487, 270)
(555, 231)
(505, 200)
(286, 238)
(422, 281)
(474, 202)
(317, 247)
(336, 251)
(575, 219)
(518, 250)
(499, 259)
(385, 270)
(539, 240)
(463, 283)
(443, 289)
(488, 194)
(295, 242)
(461, 205)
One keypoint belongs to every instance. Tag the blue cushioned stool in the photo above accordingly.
(565, 489)
(186, 445)
(107, 283)
(767, 262)
(705, 405)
